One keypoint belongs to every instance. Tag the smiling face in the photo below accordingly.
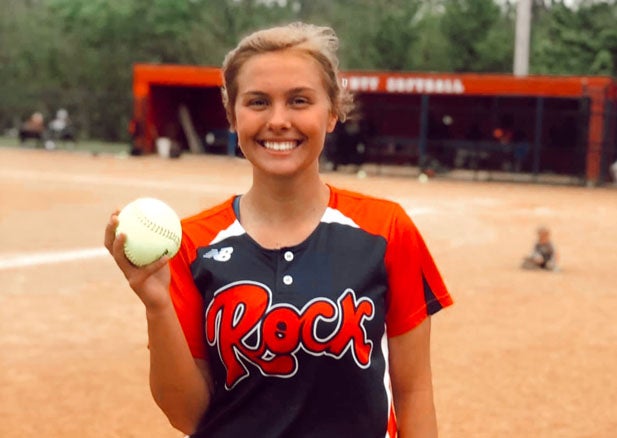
(282, 112)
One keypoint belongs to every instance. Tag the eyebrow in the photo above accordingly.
(295, 90)
(301, 90)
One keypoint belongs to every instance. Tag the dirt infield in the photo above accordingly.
(521, 353)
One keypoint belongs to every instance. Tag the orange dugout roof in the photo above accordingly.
(400, 82)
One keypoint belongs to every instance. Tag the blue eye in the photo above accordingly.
(299, 101)
(258, 102)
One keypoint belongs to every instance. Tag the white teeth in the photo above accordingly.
(280, 146)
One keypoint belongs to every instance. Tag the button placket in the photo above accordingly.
(288, 279)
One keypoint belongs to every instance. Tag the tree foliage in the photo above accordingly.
(78, 54)
(580, 42)
(476, 34)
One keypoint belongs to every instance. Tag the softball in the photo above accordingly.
(152, 230)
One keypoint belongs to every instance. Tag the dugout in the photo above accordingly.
(563, 125)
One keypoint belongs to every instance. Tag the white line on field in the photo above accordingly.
(24, 260)
(109, 180)
(12, 261)
(45, 258)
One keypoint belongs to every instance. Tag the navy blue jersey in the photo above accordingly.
(296, 338)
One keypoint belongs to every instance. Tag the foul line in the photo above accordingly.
(24, 260)
(46, 258)
(116, 181)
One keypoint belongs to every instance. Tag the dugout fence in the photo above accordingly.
(534, 126)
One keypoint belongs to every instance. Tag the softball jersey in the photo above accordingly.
(296, 337)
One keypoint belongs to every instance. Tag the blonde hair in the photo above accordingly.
(319, 42)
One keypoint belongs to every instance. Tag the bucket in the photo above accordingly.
(163, 147)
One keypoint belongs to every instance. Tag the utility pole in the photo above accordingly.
(521, 40)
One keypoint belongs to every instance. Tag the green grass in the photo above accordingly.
(93, 146)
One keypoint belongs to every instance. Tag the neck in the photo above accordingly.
(286, 199)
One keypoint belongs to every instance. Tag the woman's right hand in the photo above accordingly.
(150, 282)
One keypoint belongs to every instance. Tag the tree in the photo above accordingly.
(432, 49)
(480, 36)
(78, 54)
(581, 41)
(28, 67)
(377, 33)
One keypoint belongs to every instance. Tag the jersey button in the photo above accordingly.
(289, 256)
(288, 279)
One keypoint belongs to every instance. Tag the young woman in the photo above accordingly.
(296, 309)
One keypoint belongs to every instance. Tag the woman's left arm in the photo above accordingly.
(412, 386)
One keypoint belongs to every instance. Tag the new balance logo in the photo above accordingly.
(220, 255)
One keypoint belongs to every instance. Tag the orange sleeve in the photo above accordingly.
(187, 299)
(416, 288)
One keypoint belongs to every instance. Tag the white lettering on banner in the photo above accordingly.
(362, 83)
(425, 85)
(405, 84)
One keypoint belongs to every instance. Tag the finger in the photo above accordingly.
(110, 231)
(138, 275)
(156, 265)
(117, 251)
(117, 247)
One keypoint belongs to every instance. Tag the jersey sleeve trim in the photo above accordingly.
(433, 304)
(416, 288)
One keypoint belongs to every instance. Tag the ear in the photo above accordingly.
(332, 119)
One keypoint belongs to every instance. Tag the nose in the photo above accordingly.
(279, 118)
